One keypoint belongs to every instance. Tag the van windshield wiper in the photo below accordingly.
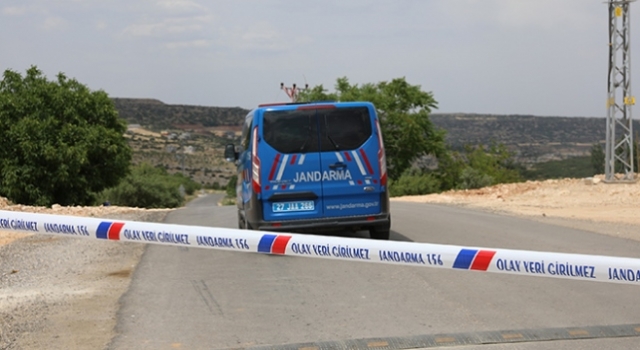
(310, 129)
(326, 128)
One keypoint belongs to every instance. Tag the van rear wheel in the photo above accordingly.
(380, 232)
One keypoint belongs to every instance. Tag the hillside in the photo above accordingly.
(181, 138)
(156, 115)
(533, 139)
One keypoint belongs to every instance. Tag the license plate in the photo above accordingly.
(282, 207)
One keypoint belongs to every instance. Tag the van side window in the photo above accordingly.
(246, 132)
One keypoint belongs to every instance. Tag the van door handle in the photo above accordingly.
(338, 165)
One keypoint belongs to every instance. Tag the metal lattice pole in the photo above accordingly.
(619, 148)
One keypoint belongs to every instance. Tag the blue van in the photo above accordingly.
(308, 166)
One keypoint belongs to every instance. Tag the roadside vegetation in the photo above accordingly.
(59, 142)
(230, 192)
(409, 135)
(62, 143)
(150, 187)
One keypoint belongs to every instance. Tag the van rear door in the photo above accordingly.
(349, 145)
(289, 153)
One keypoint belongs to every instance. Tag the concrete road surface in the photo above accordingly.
(186, 298)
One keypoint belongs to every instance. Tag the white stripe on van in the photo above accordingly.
(340, 159)
(355, 156)
(351, 182)
(292, 187)
(367, 182)
(301, 159)
(282, 166)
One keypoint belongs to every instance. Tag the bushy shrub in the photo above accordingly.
(149, 187)
(414, 182)
(476, 167)
(190, 186)
(471, 178)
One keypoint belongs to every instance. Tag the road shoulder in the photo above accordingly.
(63, 293)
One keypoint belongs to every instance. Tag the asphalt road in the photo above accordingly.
(202, 299)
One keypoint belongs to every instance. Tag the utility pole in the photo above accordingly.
(293, 91)
(619, 146)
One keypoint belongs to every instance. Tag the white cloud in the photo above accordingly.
(198, 43)
(549, 14)
(101, 24)
(15, 10)
(169, 26)
(53, 23)
(261, 36)
(180, 6)
(23, 10)
(544, 14)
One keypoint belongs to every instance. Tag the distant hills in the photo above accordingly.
(156, 115)
(533, 139)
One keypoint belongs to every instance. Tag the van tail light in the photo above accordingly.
(382, 159)
(255, 163)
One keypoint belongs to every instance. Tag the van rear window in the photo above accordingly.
(303, 131)
(344, 128)
(291, 131)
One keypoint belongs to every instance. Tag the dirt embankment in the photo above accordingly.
(590, 203)
(60, 292)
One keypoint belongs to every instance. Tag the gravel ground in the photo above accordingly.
(62, 293)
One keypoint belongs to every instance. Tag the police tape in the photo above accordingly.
(520, 262)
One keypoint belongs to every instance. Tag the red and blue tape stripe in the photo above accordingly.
(273, 244)
(473, 259)
(109, 230)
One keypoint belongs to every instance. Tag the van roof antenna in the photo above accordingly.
(294, 91)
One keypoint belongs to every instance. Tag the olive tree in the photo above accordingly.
(59, 141)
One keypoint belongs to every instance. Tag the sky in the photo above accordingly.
(529, 57)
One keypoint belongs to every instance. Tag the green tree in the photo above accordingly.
(59, 141)
(404, 118)
(451, 164)
(494, 161)
(478, 166)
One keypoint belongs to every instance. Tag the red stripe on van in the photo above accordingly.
(274, 166)
(366, 161)
(293, 159)
(347, 156)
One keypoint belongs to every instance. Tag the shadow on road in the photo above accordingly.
(394, 236)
